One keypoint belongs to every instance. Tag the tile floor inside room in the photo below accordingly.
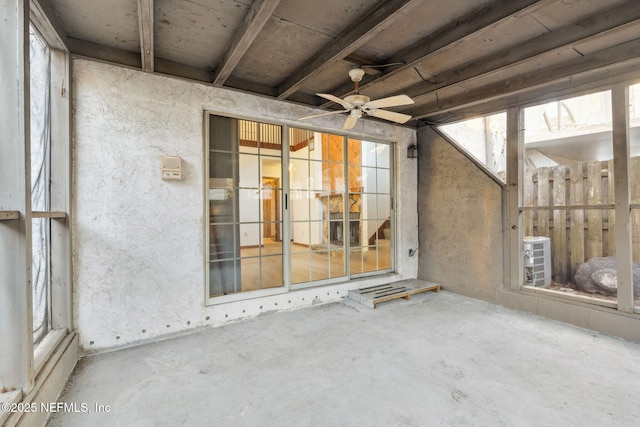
(437, 359)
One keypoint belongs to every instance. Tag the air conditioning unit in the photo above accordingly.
(537, 261)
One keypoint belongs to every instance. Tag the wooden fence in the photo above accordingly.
(573, 205)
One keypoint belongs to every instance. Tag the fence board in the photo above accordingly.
(527, 200)
(635, 213)
(543, 200)
(576, 234)
(594, 217)
(559, 240)
(560, 197)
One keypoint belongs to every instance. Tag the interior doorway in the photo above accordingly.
(271, 209)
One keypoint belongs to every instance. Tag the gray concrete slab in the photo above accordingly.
(437, 359)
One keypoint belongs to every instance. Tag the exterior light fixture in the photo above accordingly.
(412, 151)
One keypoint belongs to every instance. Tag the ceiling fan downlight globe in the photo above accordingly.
(356, 74)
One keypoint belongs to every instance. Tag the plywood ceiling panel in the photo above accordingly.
(330, 17)
(557, 14)
(281, 47)
(418, 23)
(196, 33)
(111, 23)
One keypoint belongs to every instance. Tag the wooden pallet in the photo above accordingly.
(373, 295)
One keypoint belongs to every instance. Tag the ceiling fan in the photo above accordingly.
(358, 105)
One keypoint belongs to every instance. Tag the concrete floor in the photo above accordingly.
(437, 360)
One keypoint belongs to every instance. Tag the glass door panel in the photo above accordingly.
(370, 227)
(634, 180)
(300, 267)
(356, 261)
(223, 195)
(245, 199)
(318, 206)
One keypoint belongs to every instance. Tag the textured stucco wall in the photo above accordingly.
(460, 221)
(138, 240)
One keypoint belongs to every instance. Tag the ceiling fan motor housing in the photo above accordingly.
(357, 100)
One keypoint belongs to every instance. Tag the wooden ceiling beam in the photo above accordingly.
(612, 58)
(103, 53)
(449, 35)
(113, 55)
(586, 29)
(249, 86)
(257, 16)
(177, 69)
(346, 43)
(574, 86)
(145, 27)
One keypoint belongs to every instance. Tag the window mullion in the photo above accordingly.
(621, 150)
(512, 224)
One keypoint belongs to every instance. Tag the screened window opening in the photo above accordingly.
(569, 198)
(483, 138)
(40, 123)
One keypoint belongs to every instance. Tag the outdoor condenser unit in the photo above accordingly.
(537, 261)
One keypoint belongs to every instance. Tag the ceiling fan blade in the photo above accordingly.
(390, 115)
(323, 114)
(389, 64)
(391, 101)
(372, 69)
(350, 122)
(335, 99)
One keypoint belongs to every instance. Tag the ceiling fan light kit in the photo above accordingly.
(356, 74)
(358, 105)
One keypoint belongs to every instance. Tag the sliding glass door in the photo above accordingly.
(286, 206)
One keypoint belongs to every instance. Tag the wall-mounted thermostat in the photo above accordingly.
(171, 167)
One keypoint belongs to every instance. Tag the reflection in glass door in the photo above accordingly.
(245, 206)
(317, 206)
(634, 190)
(370, 225)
